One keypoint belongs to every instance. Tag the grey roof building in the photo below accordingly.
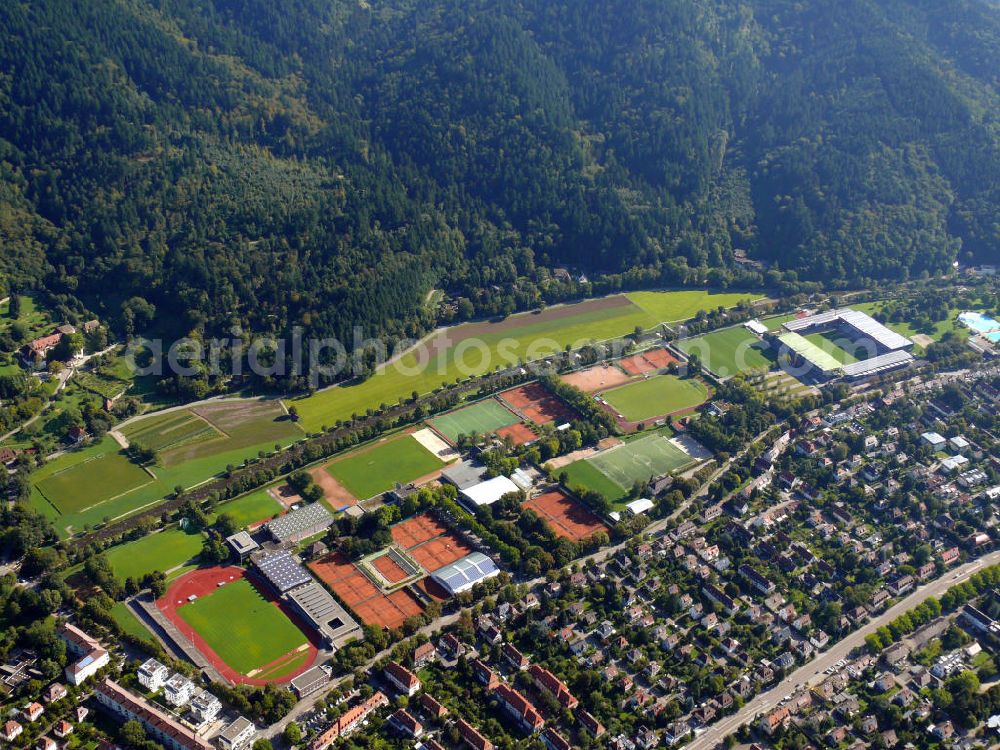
(299, 524)
(324, 613)
(464, 475)
(242, 544)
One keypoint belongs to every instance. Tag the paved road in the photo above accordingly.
(305, 706)
(812, 673)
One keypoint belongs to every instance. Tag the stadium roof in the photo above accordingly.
(878, 364)
(282, 570)
(465, 573)
(809, 351)
(755, 326)
(861, 322)
(313, 516)
(488, 492)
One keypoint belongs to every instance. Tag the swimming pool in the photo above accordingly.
(981, 324)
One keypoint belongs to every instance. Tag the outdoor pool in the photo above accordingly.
(982, 324)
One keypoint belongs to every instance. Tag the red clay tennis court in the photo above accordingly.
(389, 611)
(444, 550)
(417, 530)
(429, 542)
(361, 595)
(596, 378)
(203, 582)
(567, 516)
(389, 569)
(521, 434)
(341, 575)
(651, 361)
(536, 404)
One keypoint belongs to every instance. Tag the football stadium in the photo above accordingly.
(840, 344)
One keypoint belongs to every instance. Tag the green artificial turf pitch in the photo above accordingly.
(244, 629)
(728, 351)
(482, 418)
(92, 481)
(370, 471)
(584, 475)
(638, 460)
(655, 397)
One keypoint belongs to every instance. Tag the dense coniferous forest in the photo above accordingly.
(326, 163)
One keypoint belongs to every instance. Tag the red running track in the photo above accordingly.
(202, 582)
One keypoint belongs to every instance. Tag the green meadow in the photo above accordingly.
(525, 336)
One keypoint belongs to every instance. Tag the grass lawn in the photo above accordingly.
(370, 471)
(482, 418)
(727, 351)
(656, 396)
(187, 474)
(257, 506)
(161, 551)
(834, 345)
(242, 627)
(775, 322)
(86, 483)
(638, 460)
(130, 623)
(585, 475)
(526, 335)
(34, 318)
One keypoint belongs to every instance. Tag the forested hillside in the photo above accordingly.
(326, 163)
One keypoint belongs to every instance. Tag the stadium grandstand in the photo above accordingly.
(871, 348)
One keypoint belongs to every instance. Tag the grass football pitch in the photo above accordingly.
(655, 397)
(91, 481)
(161, 551)
(727, 352)
(834, 345)
(482, 418)
(371, 471)
(243, 628)
(638, 460)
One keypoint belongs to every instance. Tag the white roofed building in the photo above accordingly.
(152, 675)
(465, 573)
(640, 506)
(487, 493)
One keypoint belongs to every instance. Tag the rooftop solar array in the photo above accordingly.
(877, 364)
(282, 570)
(306, 518)
(463, 574)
